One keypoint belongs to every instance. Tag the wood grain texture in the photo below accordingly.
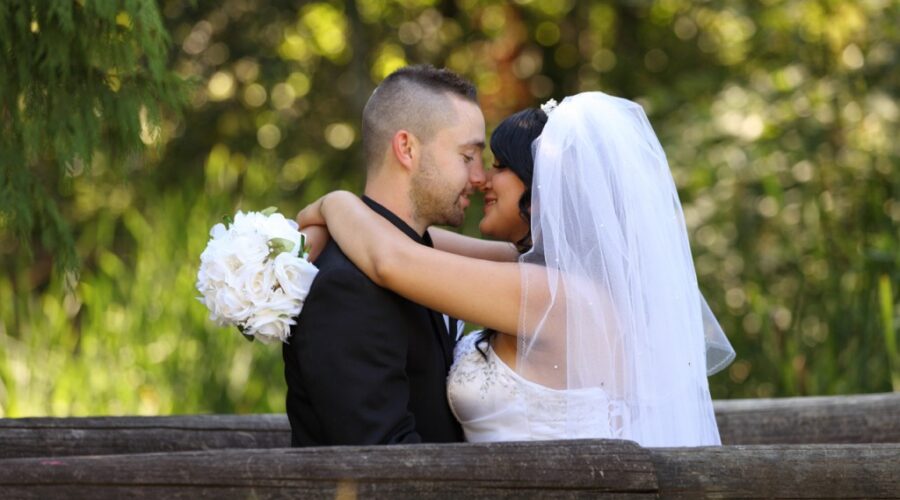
(55, 437)
(779, 471)
(866, 418)
(551, 468)
(872, 418)
(547, 469)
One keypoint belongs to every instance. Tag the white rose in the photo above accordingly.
(212, 271)
(256, 281)
(245, 221)
(249, 248)
(231, 304)
(219, 231)
(268, 325)
(284, 304)
(295, 275)
(277, 226)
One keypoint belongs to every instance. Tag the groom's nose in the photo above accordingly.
(476, 174)
(486, 184)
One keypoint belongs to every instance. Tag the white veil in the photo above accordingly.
(610, 302)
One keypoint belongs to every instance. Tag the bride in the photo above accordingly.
(598, 329)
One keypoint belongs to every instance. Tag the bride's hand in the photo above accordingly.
(311, 215)
(314, 213)
(316, 239)
(313, 224)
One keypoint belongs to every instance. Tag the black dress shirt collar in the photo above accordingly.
(397, 221)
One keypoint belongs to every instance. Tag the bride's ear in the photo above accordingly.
(405, 147)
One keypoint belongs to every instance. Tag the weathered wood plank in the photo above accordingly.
(554, 468)
(839, 419)
(501, 470)
(779, 471)
(865, 418)
(55, 437)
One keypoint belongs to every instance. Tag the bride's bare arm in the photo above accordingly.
(444, 240)
(479, 291)
(467, 246)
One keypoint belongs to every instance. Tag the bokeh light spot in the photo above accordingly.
(604, 60)
(300, 83)
(389, 59)
(685, 28)
(282, 96)
(221, 86)
(852, 57)
(246, 70)
(493, 18)
(268, 136)
(409, 33)
(527, 64)
(547, 34)
(339, 135)
(255, 95)
(656, 60)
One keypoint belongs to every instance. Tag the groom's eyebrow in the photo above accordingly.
(474, 144)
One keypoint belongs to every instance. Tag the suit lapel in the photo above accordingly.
(444, 339)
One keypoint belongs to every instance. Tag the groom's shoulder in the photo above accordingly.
(334, 266)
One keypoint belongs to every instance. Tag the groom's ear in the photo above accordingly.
(405, 147)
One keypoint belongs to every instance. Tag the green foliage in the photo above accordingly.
(779, 120)
(75, 78)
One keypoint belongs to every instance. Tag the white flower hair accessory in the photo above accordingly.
(549, 106)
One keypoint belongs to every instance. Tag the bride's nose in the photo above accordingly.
(485, 185)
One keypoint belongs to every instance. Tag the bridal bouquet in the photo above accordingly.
(255, 274)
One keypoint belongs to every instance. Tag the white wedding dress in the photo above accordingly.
(610, 307)
(494, 403)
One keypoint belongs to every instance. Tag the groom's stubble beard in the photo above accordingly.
(434, 200)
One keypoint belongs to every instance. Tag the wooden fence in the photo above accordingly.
(815, 447)
(520, 470)
(873, 418)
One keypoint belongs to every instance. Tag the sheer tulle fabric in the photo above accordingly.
(610, 298)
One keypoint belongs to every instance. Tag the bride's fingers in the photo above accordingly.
(316, 237)
(311, 215)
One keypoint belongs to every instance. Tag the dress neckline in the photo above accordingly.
(515, 375)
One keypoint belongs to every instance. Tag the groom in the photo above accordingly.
(363, 364)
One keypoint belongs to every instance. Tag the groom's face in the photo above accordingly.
(451, 163)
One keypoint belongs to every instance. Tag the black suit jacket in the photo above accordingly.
(363, 364)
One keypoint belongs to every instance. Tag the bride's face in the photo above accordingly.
(502, 190)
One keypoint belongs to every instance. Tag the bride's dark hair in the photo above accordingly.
(511, 144)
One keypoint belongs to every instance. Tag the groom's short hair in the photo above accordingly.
(413, 98)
